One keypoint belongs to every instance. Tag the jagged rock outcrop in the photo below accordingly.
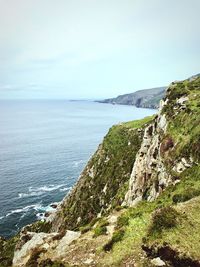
(103, 183)
(151, 166)
(43, 243)
(149, 175)
(152, 170)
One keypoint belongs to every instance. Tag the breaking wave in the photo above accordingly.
(65, 189)
(37, 191)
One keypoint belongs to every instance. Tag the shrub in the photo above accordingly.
(118, 208)
(103, 222)
(162, 219)
(117, 237)
(7, 248)
(39, 226)
(100, 230)
(187, 195)
(123, 220)
(85, 229)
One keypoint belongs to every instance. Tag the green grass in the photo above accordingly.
(138, 123)
(112, 165)
(185, 236)
(39, 226)
(7, 251)
(184, 128)
(150, 223)
(101, 229)
(164, 218)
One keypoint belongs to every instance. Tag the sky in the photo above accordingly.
(92, 49)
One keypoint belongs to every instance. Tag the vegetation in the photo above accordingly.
(101, 228)
(7, 251)
(107, 175)
(168, 227)
(147, 98)
(163, 218)
(184, 126)
(35, 262)
(39, 226)
(117, 236)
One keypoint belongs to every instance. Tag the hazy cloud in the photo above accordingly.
(75, 48)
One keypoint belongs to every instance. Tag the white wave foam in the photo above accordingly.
(25, 209)
(65, 189)
(40, 216)
(37, 191)
(45, 188)
(37, 207)
(32, 194)
(43, 210)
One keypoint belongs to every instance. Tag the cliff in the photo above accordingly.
(147, 98)
(137, 201)
(103, 183)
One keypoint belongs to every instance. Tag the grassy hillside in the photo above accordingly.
(147, 98)
(161, 232)
(103, 183)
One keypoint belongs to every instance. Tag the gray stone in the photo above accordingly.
(158, 262)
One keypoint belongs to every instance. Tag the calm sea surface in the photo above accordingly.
(44, 145)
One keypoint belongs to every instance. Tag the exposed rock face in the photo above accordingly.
(136, 161)
(157, 157)
(43, 243)
(149, 176)
(103, 183)
(147, 98)
(38, 240)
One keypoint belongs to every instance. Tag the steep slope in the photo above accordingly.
(104, 181)
(147, 98)
(171, 143)
(137, 201)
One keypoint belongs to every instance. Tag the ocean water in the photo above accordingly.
(44, 145)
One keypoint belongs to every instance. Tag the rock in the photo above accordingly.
(110, 229)
(147, 98)
(158, 262)
(149, 172)
(182, 100)
(88, 261)
(54, 205)
(182, 165)
(91, 172)
(112, 219)
(38, 241)
(64, 243)
(105, 188)
(47, 214)
(162, 122)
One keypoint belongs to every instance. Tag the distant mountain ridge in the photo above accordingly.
(146, 98)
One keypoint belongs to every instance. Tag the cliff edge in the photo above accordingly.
(137, 201)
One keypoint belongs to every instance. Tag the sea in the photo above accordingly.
(44, 146)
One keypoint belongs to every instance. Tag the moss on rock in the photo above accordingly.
(104, 182)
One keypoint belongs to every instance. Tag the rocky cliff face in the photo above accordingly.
(104, 181)
(155, 166)
(136, 202)
(149, 175)
(147, 98)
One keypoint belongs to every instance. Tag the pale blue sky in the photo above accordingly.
(95, 48)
